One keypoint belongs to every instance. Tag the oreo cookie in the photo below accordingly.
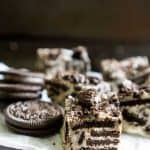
(7, 78)
(25, 76)
(21, 72)
(34, 118)
(20, 84)
(19, 88)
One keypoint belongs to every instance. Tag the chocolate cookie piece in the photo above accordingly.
(19, 87)
(34, 117)
(131, 117)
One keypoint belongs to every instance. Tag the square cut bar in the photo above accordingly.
(54, 60)
(133, 68)
(92, 121)
(135, 107)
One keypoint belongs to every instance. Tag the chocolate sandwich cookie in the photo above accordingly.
(34, 118)
(21, 72)
(19, 88)
(7, 78)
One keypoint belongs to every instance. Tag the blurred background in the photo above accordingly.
(108, 28)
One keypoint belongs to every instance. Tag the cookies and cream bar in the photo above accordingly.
(134, 68)
(63, 85)
(92, 121)
(70, 83)
(55, 60)
(135, 107)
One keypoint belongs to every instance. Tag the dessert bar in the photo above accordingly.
(56, 60)
(135, 107)
(92, 121)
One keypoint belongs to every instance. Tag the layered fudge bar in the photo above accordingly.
(133, 68)
(92, 121)
(54, 60)
(135, 107)
(70, 83)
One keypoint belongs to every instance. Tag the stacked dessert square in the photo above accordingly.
(135, 107)
(56, 60)
(131, 80)
(92, 121)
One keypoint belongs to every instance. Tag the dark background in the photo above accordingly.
(114, 28)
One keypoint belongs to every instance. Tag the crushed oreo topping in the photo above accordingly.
(127, 86)
(78, 52)
(33, 110)
(75, 78)
(94, 80)
(147, 128)
(86, 97)
(54, 53)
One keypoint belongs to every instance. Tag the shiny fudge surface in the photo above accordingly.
(92, 121)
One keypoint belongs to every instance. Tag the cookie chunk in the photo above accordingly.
(135, 107)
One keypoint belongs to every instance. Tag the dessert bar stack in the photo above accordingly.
(131, 80)
(56, 60)
(92, 121)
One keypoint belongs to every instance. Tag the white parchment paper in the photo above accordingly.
(10, 139)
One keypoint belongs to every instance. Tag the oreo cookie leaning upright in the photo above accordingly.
(34, 118)
(20, 84)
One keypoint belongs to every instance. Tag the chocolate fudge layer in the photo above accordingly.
(54, 60)
(92, 121)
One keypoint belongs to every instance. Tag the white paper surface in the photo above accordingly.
(10, 139)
